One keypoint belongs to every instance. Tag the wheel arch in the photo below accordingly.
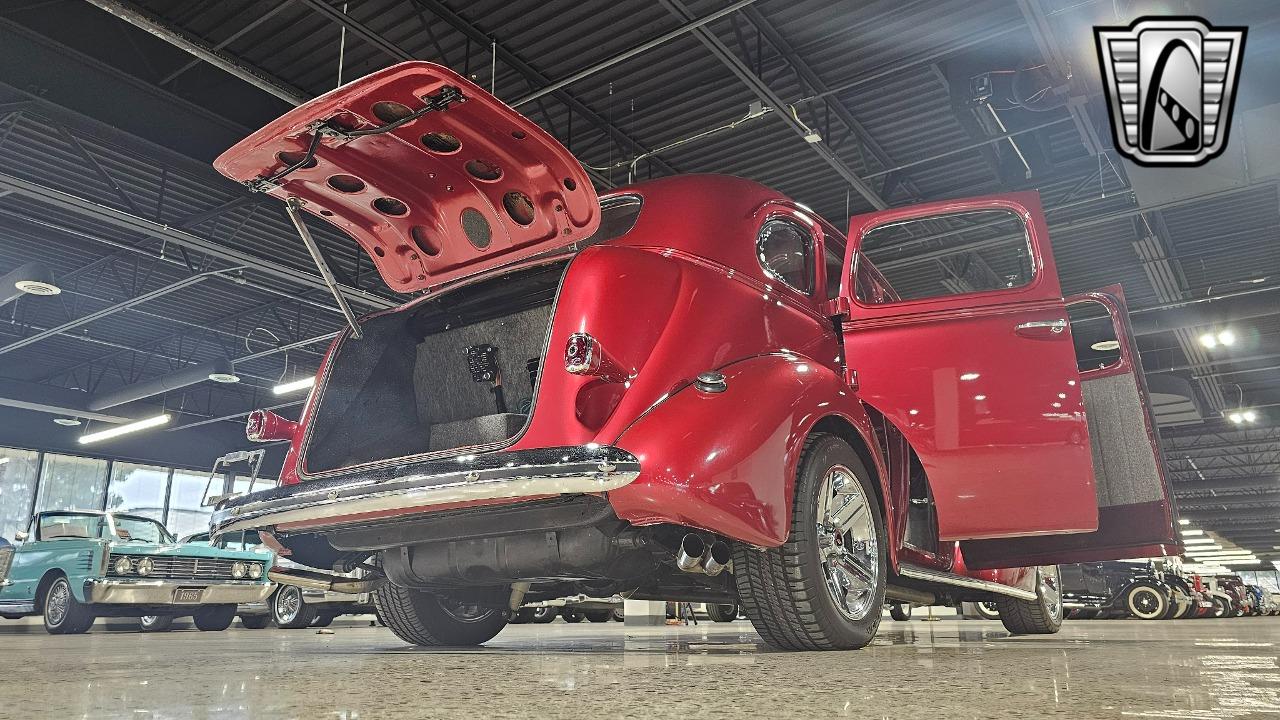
(42, 587)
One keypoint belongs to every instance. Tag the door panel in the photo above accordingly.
(1136, 517)
(983, 383)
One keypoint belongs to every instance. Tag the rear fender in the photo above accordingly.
(726, 461)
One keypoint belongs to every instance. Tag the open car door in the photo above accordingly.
(1136, 514)
(957, 334)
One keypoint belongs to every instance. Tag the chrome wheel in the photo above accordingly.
(847, 543)
(55, 606)
(1050, 589)
(288, 604)
(463, 612)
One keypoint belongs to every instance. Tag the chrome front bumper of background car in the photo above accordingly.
(164, 592)
(410, 487)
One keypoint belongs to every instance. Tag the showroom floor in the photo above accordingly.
(1094, 669)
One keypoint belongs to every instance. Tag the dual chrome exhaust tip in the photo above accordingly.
(696, 556)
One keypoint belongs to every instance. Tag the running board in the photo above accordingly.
(945, 578)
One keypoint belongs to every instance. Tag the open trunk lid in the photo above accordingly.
(433, 176)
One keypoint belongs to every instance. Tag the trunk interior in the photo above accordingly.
(416, 382)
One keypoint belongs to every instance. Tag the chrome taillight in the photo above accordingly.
(584, 355)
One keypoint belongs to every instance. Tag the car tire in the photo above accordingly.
(722, 612)
(900, 611)
(619, 615)
(572, 616)
(1042, 616)
(543, 615)
(598, 616)
(987, 610)
(1146, 602)
(255, 622)
(521, 616)
(63, 614)
(289, 609)
(1221, 608)
(423, 618)
(823, 589)
(214, 618)
(323, 620)
(155, 623)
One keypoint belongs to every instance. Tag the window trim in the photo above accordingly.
(1034, 256)
(811, 242)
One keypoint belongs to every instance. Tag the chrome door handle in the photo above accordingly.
(1041, 328)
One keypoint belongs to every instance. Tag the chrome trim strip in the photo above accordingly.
(17, 606)
(491, 476)
(946, 578)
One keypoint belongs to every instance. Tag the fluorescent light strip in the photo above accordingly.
(1189, 532)
(286, 388)
(125, 429)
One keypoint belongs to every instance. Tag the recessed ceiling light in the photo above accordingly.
(1209, 341)
(1106, 345)
(37, 287)
(1226, 337)
(220, 377)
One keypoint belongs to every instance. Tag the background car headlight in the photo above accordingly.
(123, 566)
(255, 571)
(145, 566)
(238, 569)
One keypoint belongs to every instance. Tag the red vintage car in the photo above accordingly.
(689, 389)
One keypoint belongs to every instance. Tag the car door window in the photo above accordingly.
(785, 250)
(951, 253)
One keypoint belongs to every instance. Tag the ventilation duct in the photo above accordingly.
(219, 371)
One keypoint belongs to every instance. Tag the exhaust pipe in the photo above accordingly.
(692, 548)
(696, 556)
(717, 559)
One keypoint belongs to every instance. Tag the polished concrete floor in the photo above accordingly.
(1211, 669)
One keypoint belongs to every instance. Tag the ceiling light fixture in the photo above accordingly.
(293, 386)
(67, 421)
(1225, 337)
(125, 429)
(1189, 531)
(222, 377)
(1106, 345)
(1183, 521)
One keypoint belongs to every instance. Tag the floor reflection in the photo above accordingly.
(950, 668)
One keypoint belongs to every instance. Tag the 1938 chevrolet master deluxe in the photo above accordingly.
(688, 389)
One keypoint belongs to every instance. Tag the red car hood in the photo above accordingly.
(448, 194)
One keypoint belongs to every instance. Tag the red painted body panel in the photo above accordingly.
(996, 417)
(420, 242)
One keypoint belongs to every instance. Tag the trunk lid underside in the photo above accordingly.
(432, 176)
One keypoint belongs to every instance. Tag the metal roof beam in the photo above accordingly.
(769, 97)
(140, 18)
(132, 223)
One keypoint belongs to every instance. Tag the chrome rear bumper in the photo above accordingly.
(164, 592)
(416, 487)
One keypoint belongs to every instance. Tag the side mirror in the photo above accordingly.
(21, 536)
(266, 426)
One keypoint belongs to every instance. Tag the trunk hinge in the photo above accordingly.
(293, 206)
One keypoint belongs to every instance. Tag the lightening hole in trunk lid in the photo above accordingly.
(518, 206)
(289, 159)
(346, 183)
(390, 206)
(476, 228)
(483, 170)
(442, 143)
(422, 238)
(389, 112)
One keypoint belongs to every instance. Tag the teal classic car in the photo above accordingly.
(74, 566)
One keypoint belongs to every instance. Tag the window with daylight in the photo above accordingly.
(71, 483)
(138, 489)
(18, 472)
(186, 493)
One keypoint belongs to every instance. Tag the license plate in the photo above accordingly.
(188, 595)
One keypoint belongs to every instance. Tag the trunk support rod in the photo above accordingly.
(293, 206)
